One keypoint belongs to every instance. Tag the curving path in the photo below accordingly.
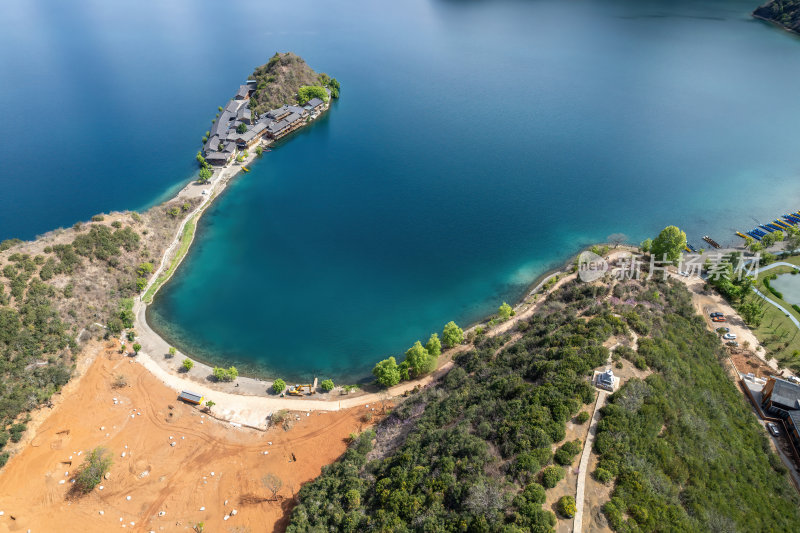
(776, 304)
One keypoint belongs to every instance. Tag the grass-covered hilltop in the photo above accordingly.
(287, 79)
(783, 12)
(495, 444)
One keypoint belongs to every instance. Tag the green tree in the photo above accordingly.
(278, 386)
(188, 364)
(645, 246)
(387, 373)
(94, 467)
(505, 311)
(452, 335)
(259, 150)
(241, 128)
(434, 345)
(204, 176)
(551, 475)
(210, 404)
(307, 92)
(566, 506)
(669, 244)
(327, 385)
(172, 351)
(419, 360)
(225, 374)
(137, 348)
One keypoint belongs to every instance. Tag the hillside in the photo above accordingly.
(63, 289)
(783, 12)
(279, 80)
(477, 451)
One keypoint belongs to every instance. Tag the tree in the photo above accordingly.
(645, 246)
(171, 352)
(225, 374)
(505, 311)
(278, 386)
(669, 244)
(259, 150)
(272, 483)
(419, 360)
(551, 475)
(752, 312)
(136, 348)
(387, 373)
(327, 385)
(617, 238)
(204, 176)
(188, 364)
(241, 128)
(308, 92)
(434, 345)
(566, 506)
(452, 335)
(94, 467)
(210, 404)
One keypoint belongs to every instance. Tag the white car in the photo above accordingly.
(729, 336)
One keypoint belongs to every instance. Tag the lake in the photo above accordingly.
(476, 145)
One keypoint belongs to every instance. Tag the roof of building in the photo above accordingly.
(244, 113)
(191, 396)
(217, 156)
(212, 144)
(279, 112)
(233, 106)
(606, 377)
(243, 92)
(314, 102)
(278, 126)
(786, 393)
(294, 117)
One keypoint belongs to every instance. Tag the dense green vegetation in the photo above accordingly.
(470, 453)
(682, 446)
(278, 386)
(783, 12)
(419, 360)
(309, 92)
(475, 452)
(668, 244)
(225, 374)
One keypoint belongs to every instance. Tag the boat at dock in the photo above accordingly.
(711, 241)
(742, 235)
(246, 169)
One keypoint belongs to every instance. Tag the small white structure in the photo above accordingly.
(606, 380)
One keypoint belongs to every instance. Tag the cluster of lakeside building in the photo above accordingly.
(238, 128)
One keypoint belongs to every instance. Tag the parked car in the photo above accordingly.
(722, 330)
(732, 344)
(715, 314)
(729, 336)
(719, 319)
(773, 428)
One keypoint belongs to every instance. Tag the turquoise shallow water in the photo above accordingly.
(476, 144)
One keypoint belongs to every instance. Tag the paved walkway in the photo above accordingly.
(577, 524)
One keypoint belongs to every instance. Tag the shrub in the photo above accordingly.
(602, 475)
(94, 467)
(98, 218)
(327, 385)
(16, 432)
(137, 348)
(225, 374)
(551, 475)
(566, 506)
(187, 364)
(171, 352)
(582, 417)
(278, 386)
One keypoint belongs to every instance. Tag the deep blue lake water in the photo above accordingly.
(476, 144)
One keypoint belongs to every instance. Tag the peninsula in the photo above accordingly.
(785, 13)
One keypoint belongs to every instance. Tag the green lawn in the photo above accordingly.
(779, 336)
